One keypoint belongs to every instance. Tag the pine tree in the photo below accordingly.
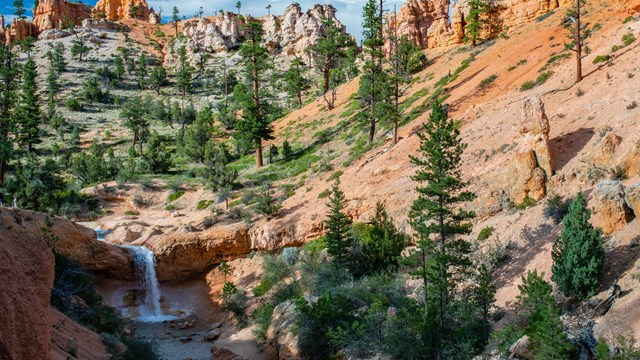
(55, 54)
(330, 50)
(19, 9)
(475, 21)
(287, 152)
(118, 67)
(220, 175)
(135, 114)
(385, 244)
(484, 296)
(175, 18)
(374, 87)
(198, 134)
(184, 72)
(8, 94)
(338, 226)
(295, 80)
(158, 78)
(544, 326)
(156, 157)
(79, 47)
(437, 210)
(266, 203)
(53, 86)
(28, 115)
(141, 71)
(27, 45)
(578, 33)
(578, 253)
(254, 126)
(238, 6)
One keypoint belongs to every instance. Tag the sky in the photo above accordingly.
(349, 11)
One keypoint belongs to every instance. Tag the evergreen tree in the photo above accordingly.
(338, 226)
(266, 203)
(135, 114)
(19, 9)
(484, 297)
(175, 18)
(92, 92)
(27, 45)
(118, 67)
(238, 6)
(55, 55)
(543, 325)
(254, 126)
(58, 124)
(141, 71)
(382, 243)
(374, 87)
(273, 153)
(158, 78)
(287, 152)
(53, 87)
(475, 20)
(8, 94)
(183, 72)
(79, 47)
(219, 175)
(330, 50)
(578, 253)
(198, 134)
(438, 212)
(578, 33)
(28, 115)
(295, 80)
(156, 157)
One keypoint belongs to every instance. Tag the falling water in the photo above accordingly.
(145, 262)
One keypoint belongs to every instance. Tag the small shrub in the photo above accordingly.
(528, 85)
(324, 194)
(579, 93)
(74, 105)
(170, 207)
(544, 77)
(131, 213)
(335, 175)
(556, 208)
(209, 221)
(632, 106)
(488, 81)
(526, 203)
(485, 233)
(175, 195)
(544, 16)
(628, 39)
(601, 58)
(628, 19)
(203, 204)
(139, 350)
(617, 173)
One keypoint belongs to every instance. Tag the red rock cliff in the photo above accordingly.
(123, 9)
(53, 14)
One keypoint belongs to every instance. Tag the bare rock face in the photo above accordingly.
(435, 23)
(75, 241)
(629, 162)
(533, 164)
(181, 255)
(19, 30)
(633, 198)
(290, 34)
(52, 14)
(521, 349)
(611, 210)
(281, 342)
(123, 9)
(26, 278)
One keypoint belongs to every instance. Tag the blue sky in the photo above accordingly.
(349, 11)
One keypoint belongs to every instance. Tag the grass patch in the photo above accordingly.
(203, 204)
(175, 195)
(485, 233)
(544, 16)
(324, 194)
(132, 213)
(628, 19)
(526, 203)
(488, 81)
(601, 58)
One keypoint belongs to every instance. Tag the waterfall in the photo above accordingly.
(101, 234)
(145, 262)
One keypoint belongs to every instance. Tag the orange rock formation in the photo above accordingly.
(54, 14)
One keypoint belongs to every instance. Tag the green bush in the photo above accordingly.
(526, 203)
(131, 213)
(488, 81)
(203, 204)
(556, 208)
(275, 270)
(138, 350)
(628, 19)
(74, 105)
(628, 39)
(175, 195)
(601, 58)
(485, 233)
(528, 85)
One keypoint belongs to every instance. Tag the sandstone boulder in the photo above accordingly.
(612, 213)
(54, 14)
(521, 349)
(54, 34)
(181, 255)
(633, 198)
(74, 241)
(281, 341)
(533, 163)
(26, 278)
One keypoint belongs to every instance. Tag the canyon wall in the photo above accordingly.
(436, 23)
(125, 9)
(55, 14)
(290, 34)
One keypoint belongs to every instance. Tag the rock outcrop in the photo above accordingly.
(633, 198)
(533, 163)
(281, 342)
(611, 209)
(435, 23)
(74, 241)
(55, 14)
(26, 278)
(123, 9)
(19, 30)
(179, 256)
(290, 34)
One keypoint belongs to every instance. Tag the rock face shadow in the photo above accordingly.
(567, 146)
